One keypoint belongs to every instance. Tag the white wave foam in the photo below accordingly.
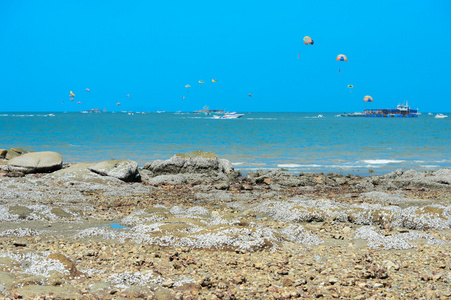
(297, 166)
(381, 161)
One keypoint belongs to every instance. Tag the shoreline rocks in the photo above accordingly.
(82, 232)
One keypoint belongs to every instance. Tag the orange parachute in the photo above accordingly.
(308, 40)
(368, 98)
(118, 103)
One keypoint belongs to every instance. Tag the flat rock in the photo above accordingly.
(80, 172)
(36, 162)
(125, 170)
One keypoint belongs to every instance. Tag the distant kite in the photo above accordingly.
(201, 81)
(214, 80)
(118, 103)
(87, 90)
(72, 94)
(187, 86)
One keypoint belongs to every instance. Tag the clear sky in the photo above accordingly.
(397, 50)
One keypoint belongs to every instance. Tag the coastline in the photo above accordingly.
(191, 227)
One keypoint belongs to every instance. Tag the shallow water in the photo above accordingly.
(298, 142)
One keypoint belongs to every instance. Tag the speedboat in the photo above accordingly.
(232, 115)
(440, 116)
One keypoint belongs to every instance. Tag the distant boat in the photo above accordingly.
(440, 116)
(430, 114)
(320, 116)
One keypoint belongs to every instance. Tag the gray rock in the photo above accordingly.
(125, 170)
(14, 152)
(3, 153)
(36, 162)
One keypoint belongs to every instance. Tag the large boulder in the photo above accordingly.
(196, 162)
(125, 170)
(36, 162)
(3, 153)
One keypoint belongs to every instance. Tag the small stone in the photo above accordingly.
(168, 284)
(287, 282)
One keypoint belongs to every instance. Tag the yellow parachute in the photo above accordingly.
(350, 87)
(72, 94)
(201, 81)
(214, 80)
(187, 86)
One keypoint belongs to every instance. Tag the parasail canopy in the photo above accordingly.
(201, 81)
(72, 94)
(308, 40)
(187, 86)
(341, 57)
(368, 98)
(214, 80)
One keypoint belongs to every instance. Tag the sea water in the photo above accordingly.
(296, 142)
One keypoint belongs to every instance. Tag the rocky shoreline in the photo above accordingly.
(192, 227)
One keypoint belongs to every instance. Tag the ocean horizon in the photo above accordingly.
(295, 142)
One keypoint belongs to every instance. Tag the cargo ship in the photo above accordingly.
(401, 111)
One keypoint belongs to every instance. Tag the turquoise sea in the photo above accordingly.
(297, 142)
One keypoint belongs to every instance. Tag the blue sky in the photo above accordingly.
(397, 50)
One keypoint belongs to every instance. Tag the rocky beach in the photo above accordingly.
(191, 227)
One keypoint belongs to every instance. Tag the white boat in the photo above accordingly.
(430, 114)
(440, 116)
(320, 116)
(232, 115)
